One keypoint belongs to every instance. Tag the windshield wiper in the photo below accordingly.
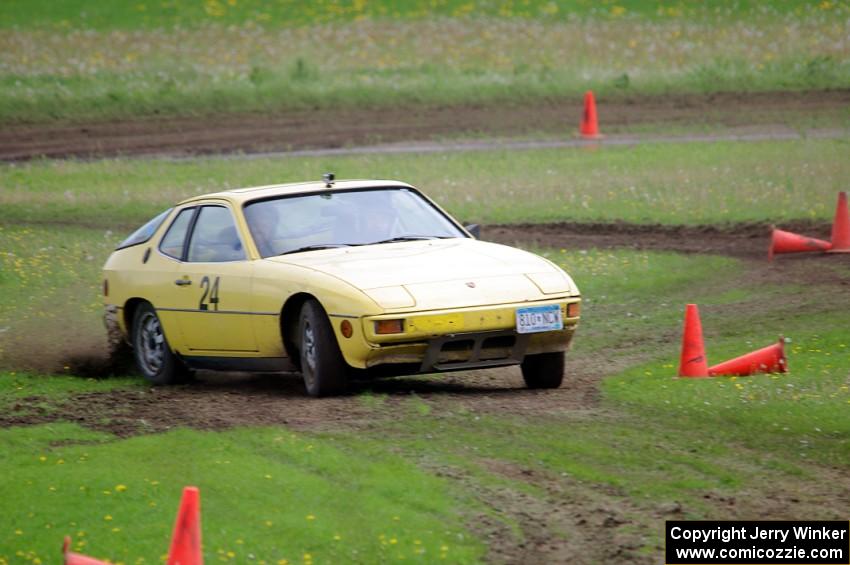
(316, 247)
(404, 238)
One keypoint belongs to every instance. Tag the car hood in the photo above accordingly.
(439, 273)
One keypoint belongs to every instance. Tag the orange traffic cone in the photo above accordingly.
(770, 359)
(589, 125)
(186, 540)
(72, 558)
(788, 242)
(841, 226)
(692, 362)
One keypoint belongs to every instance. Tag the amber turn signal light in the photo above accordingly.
(573, 309)
(346, 329)
(383, 327)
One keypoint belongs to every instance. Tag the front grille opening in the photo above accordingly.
(459, 351)
(499, 341)
(459, 345)
(474, 350)
(498, 347)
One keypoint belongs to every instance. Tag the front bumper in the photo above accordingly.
(469, 338)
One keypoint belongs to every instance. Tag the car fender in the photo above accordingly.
(276, 283)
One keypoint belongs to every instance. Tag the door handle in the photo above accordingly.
(182, 282)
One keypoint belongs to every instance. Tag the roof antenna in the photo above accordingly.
(329, 179)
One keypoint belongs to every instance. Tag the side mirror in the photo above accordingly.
(474, 229)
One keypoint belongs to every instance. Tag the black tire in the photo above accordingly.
(154, 358)
(544, 370)
(325, 371)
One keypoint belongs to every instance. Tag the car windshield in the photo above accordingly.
(337, 219)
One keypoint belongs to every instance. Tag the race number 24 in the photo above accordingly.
(210, 295)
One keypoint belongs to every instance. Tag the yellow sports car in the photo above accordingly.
(335, 279)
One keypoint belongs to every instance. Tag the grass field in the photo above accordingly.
(279, 484)
(414, 483)
(654, 443)
(431, 469)
(84, 61)
(722, 182)
(124, 14)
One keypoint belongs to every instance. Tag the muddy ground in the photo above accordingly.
(603, 525)
(84, 352)
(221, 400)
(334, 128)
(745, 241)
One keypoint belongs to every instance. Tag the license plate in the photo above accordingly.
(539, 319)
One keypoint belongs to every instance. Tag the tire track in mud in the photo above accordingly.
(524, 515)
(568, 520)
(224, 400)
(84, 351)
(335, 130)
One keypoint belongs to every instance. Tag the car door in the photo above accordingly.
(213, 305)
(154, 278)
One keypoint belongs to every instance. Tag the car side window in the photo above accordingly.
(214, 238)
(173, 240)
(144, 233)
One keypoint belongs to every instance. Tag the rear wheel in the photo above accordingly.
(153, 355)
(325, 371)
(543, 370)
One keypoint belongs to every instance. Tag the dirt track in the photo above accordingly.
(218, 402)
(85, 353)
(604, 525)
(747, 241)
(336, 128)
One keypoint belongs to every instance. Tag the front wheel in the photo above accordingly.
(543, 370)
(325, 371)
(153, 355)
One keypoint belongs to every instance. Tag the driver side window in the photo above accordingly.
(214, 238)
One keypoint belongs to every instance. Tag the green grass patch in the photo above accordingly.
(50, 295)
(636, 295)
(658, 438)
(17, 385)
(654, 439)
(267, 495)
(723, 182)
(48, 262)
(618, 452)
(638, 273)
(127, 14)
(801, 415)
(81, 60)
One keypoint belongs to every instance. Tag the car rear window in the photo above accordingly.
(145, 232)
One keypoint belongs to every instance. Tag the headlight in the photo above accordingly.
(553, 282)
(391, 297)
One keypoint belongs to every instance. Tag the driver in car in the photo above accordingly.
(263, 219)
(376, 222)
